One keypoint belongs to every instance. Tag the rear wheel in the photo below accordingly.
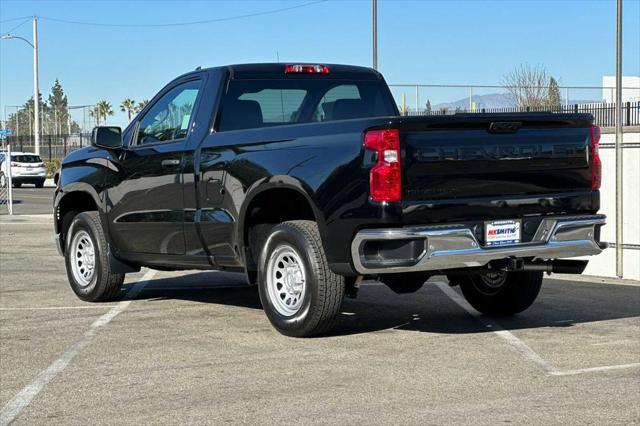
(299, 293)
(40, 183)
(501, 293)
(87, 262)
(17, 184)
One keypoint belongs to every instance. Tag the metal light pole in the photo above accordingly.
(36, 90)
(374, 23)
(619, 233)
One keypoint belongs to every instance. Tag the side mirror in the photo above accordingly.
(106, 136)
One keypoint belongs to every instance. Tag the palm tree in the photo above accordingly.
(95, 112)
(129, 106)
(141, 105)
(104, 109)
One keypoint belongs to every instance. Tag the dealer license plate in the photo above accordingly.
(502, 232)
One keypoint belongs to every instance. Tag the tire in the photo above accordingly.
(95, 284)
(503, 293)
(40, 184)
(405, 283)
(310, 294)
(17, 184)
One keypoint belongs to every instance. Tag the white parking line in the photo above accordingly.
(207, 288)
(35, 216)
(53, 308)
(594, 369)
(25, 223)
(23, 398)
(517, 344)
(521, 347)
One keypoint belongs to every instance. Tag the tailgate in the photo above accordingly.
(484, 155)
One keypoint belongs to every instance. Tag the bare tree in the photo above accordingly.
(527, 86)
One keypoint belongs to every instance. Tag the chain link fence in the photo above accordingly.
(53, 148)
(604, 114)
(436, 99)
(6, 189)
(412, 99)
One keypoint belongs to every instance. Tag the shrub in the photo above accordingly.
(52, 166)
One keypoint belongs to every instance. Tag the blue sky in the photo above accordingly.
(435, 42)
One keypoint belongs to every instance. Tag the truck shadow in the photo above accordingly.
(560, 304)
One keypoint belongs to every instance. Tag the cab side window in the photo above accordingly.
(169, 118)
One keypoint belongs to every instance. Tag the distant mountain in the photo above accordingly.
(491, 100)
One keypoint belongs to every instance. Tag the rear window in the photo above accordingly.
(277, 105)
(251, 104)
(26, 158)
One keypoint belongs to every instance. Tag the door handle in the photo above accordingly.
(170, 163)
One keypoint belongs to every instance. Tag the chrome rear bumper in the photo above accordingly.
(449, 247)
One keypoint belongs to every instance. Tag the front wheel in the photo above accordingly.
(87, 262)
(501, 293)
(299, 293)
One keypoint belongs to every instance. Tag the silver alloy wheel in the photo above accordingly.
(83, 258)
(286, 280)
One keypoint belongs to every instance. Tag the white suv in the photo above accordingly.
(26, 167)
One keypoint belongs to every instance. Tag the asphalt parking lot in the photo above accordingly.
(31, 200)
(195, 347)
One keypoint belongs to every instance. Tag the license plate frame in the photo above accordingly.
(502, 232)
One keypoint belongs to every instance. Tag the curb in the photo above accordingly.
(593, 279)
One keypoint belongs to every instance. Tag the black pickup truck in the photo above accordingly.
(306, 178)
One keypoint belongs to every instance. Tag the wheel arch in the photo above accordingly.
(77, 198)
(264, 203)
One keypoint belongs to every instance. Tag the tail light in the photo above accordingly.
(40, 165)
(385, 182)
(306, 69)
(596, 163)
(15, 164)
